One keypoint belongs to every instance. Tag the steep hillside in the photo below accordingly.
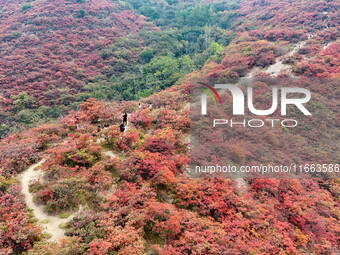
(136, 195)
(131, 192)
(50, 45)
(50, 50)
(56, 54)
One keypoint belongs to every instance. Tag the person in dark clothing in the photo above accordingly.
(76, 121)
(122, 128)
(125, 119)
(106, 126)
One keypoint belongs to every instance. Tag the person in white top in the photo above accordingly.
(139, 106)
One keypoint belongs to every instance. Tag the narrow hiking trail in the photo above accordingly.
(327, 45)
(278, 67)
(110, 154)
(242, 185)
(274, 70)
(51, 224)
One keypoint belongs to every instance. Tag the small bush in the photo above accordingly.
(47, 235)
(26, 7)
(45, 221)
(63, 225)
(64, 215)
(82, 13)
(147, 54)
(105, 53)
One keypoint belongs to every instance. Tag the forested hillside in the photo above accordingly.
(80, 64)
(56, 54)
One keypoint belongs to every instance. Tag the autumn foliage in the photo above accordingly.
(131, 191)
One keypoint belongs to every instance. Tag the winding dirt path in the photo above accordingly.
(278, 67)
(51, 224)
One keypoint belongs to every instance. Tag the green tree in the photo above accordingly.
(28, 117)
(105, 53)
(149, 11)
(26, 7)
(82, 13)
(65, 97)
(101, 90)
(128, 86)
(4, 129)
(165, 69)
(147, 54)
(22, 101)
(187, 64)
(199, 15)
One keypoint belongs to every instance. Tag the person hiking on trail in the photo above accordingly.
(150, 106)
(76, 121)
(98, 129)
(125, 119)
(122, 128)
(139, 106)
(106, 126)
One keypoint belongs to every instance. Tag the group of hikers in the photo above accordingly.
(106, 125)
(140, 106)
(122, 126)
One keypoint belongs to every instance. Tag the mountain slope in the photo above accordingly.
(134, 188)
(53, 45)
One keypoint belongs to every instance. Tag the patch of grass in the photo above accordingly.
(45, 221)
(47, 235)
(29, 210)
(32, 188)
(64, 215)
(63, 225)
(31, 217)
(37, 167)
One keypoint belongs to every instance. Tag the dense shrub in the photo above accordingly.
(26, 6)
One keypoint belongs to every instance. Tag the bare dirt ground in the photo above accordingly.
(51, 223)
